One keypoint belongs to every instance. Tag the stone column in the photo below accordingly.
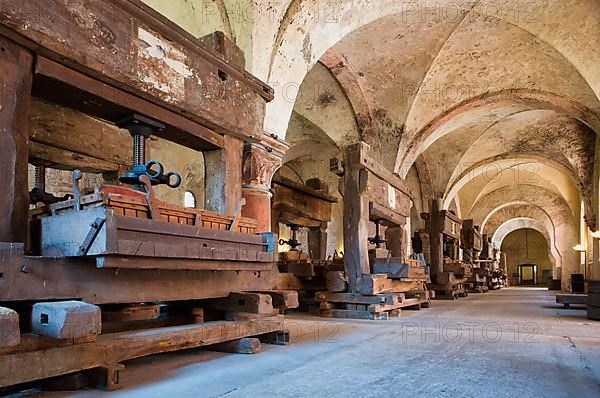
(260, 162)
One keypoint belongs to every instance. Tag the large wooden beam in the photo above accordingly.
(114, 348)
(35, 278)
(127, 44)
(59, 84)
(63, 138)
(356, 219)
(16, 76)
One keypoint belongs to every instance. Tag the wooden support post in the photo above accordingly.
(317, 242)
(16, 65)
(223, 180)
(396, 240)
(106, 377)
(436, 240)
(356, 217)
(276, 338)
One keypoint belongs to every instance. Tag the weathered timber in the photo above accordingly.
(114, 42)
(287, 281)
(16, 67)
(283, 299)
(225, 47)
(396, 269)
(54, 145)
(373, 284)
(223, 176)
(36, 278)
(130, 313)
(371, 193)
(61, 85)
(57, 158)
(255, 303)
(106, 377)
(356, 220)
(119, 347)
(152, 263)
(388, 298)
(359, 314)
(336, 281)
(281, 337)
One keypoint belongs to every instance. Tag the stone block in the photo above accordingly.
(66, 320)
(9, 328)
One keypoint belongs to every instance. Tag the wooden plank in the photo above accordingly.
(135, 224)
(48, 127)
(42, 279)
(115, 43)
(64, 159)
(131, 313)
(394, 268)
(387, 298)
(302, 188)
(119, 347)
(153, 263)
(16, 67)
(355, 314)
(365, 159)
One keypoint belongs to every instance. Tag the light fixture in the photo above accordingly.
(580, 248)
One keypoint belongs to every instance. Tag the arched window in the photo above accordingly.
(189, 200)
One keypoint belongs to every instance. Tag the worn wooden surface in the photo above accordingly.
(133, 47)
(356, 220)
(62, 138)
(371, 193)
(61, 85)
(34, 278)
(118, 347)
(223, 177)
(15, 76)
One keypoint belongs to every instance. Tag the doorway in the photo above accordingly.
(528, 274)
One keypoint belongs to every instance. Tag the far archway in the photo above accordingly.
(528, 259)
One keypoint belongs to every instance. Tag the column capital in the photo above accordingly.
(261, 160)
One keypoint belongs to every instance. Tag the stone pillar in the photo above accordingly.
(260, 162)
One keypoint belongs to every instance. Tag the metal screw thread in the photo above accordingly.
(40, 178)
(139, 149)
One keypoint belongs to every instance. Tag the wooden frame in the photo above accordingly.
(371, 192)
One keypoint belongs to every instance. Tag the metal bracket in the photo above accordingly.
(91, 236)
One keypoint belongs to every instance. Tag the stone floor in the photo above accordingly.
(514, 342)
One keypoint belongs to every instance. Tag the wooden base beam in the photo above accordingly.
(118, 347)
